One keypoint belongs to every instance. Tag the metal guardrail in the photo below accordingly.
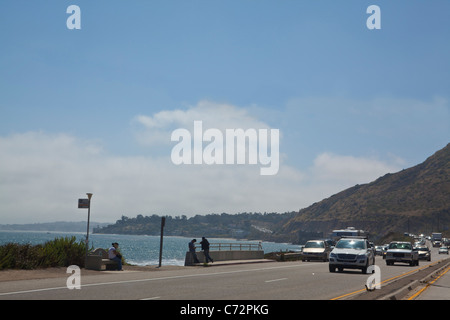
(235, 246)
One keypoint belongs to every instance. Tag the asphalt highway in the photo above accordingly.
(257, 281)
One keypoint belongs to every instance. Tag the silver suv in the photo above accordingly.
(400, 251)
(352, 253)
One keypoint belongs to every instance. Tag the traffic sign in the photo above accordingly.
(83, 203)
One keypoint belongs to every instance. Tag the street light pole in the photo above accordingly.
(89, 217)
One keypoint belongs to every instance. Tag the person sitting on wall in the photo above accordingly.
(114, 255)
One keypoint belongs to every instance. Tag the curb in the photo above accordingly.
(399, 294)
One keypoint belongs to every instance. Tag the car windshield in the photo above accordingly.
(350, 244)
(397, 245)
(314, 244)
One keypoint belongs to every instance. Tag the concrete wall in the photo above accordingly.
(225, 255)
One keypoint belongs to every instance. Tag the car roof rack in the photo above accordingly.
(354, 237)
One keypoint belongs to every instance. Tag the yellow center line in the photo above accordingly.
(387, 280)
(428, 285)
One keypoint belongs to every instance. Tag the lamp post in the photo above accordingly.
(89, 216)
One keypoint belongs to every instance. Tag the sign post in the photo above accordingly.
(163, 222)
(86, 204)
(83, 203)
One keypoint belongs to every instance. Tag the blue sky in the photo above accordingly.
(351, 103)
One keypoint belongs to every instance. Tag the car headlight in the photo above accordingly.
(333, 255)
(361, 256)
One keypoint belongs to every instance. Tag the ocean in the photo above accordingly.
(136, 249)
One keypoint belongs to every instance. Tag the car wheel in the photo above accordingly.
(332, 268)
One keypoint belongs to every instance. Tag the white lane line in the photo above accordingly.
(267, 281)
(31, 291)
(156, 279)
(152, 298)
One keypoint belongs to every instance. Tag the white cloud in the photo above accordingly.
(332, 167)
(213, 113)
(332, 173)
(45, 186)
(156, 129)
(43, 175)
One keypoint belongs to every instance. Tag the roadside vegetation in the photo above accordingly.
(60, 252)
(394, 236)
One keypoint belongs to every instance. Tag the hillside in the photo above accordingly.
(241, 225)
(415, 200)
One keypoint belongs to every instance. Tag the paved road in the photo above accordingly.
(267, 281)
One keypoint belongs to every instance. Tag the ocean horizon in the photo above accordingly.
(141, 250)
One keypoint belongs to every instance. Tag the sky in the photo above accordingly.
(93, 109)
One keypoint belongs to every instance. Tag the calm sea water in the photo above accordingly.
(137, 250)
